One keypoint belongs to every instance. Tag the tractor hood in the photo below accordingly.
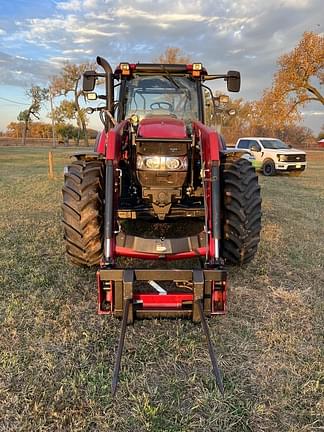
(162, 127)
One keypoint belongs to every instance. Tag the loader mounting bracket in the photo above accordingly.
(169, 293)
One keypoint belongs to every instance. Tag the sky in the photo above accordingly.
(38, 36)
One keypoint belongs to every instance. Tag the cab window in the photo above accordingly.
(244, 144)
(255, 144)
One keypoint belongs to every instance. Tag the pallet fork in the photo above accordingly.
(199, 306)
(118, 292)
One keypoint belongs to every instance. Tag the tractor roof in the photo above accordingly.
(195, 69)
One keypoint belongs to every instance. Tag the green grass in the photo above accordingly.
(57, 355)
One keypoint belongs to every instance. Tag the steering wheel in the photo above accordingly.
(161, 105)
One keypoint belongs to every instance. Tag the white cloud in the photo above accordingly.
(59, 60)
(71, 5)
(90, 4)
(77, 51)
(133, 13)
(93, 32)
(300, 4)
(312, 113)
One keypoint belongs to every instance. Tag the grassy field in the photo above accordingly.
(57, 355)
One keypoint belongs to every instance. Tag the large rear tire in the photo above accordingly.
(241, 211)
(83, 211)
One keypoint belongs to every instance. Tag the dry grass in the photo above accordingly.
(57, 354)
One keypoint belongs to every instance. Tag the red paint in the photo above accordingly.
(114, 141)
(210, 149)
(162, 127)
(158, 301)
(101, 147)
(131, 253)
(104, 296)
(219, 300)
(210, 141)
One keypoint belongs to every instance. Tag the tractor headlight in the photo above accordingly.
(162, 163)
(152, 163)
(172, 163)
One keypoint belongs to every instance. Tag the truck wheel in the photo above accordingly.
(268, 168)
(241, 211)
(83, 211)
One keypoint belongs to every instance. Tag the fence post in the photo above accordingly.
(50, 165)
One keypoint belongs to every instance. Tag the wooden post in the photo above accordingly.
(50, 165)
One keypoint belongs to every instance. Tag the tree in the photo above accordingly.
(37, 95)
(301, 72)
(297, 82)
(297, 136)
(67, 131)
(68, 81)
(35, 129)
(65, 111)
(240, 124)
(173, 55)
(14, 129)
(273, 112)
(321, 134)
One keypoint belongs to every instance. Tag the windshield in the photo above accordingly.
(174, 96)
(274, 144)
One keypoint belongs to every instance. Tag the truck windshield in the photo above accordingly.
(274, 144)
(174, 96)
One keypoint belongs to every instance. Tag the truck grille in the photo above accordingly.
(296, 158)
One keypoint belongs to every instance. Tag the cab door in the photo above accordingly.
(256, 149)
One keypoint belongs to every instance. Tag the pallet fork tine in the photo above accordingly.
(213, 358)
(120, 348)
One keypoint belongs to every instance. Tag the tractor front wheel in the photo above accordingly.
(241, 211)
(83, 211)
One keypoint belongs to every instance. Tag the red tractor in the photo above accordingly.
(157, 164)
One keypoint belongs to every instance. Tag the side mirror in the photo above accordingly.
(255, 148)
(89, 80)
(233, 81)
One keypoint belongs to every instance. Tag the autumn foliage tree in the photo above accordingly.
(301, 72)
(36, 129)
(297, 82)
(68, 82)
(173, 55)
(64, 112)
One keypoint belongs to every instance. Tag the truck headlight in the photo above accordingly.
(282, 158)
(162, 163)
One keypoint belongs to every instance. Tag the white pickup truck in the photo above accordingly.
(272, 155)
